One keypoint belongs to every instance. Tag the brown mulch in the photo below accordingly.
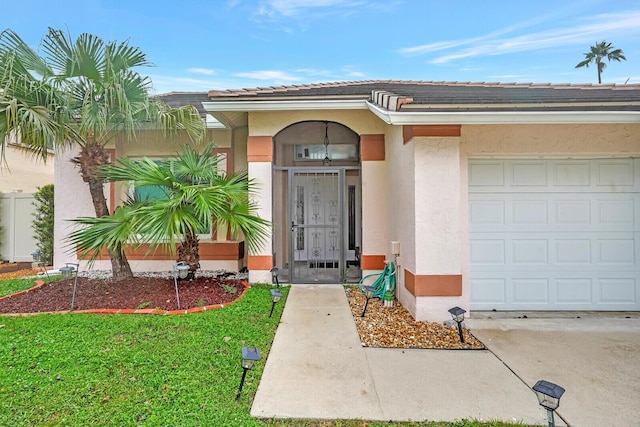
(394, 327)
(137, 293)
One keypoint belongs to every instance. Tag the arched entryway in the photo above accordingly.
(317, 203)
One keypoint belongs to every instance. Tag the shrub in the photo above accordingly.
(43, 223)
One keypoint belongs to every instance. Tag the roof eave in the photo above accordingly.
(502, 117)
(280, 105)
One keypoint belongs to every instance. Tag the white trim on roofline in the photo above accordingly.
(279, 105)
(430, 117)
(502, 117)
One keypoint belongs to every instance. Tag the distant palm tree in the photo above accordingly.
(598, 52)
(189, 192)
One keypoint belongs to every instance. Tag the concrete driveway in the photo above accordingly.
(594, 356)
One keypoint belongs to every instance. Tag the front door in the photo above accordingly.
(316, 247)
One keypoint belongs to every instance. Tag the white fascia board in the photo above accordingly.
(280, 105)
(502, 117)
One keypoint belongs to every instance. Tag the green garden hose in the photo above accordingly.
(384, 284)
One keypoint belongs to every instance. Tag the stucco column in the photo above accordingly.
(375, 236)
(259, 158)
(436, 282)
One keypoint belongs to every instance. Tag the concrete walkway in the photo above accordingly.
(318, 369)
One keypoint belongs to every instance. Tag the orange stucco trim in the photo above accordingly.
(209, 251)
(259, 149)
(372, 147)
(409, 132)
(260, 262)
(372, 262)
(444, 285)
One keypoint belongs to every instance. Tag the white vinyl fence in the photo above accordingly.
(16, 217)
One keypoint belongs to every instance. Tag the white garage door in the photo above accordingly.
(554, 234)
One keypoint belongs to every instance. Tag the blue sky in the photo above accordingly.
(227, 44)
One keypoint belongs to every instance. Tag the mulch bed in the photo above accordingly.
(137, 293)
(394, 327)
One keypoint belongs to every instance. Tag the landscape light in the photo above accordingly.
(68, 271)
(457, 314)
(180, 271)
(250, 355)
(275, 297)
(549, 395)
(274, 276)
(368, 293)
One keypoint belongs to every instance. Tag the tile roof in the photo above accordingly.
(178, 99)
(454, 96)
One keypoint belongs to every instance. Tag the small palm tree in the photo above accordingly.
(598, 52)
(82, 94)
(191, 192)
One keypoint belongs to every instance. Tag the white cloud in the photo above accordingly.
(278, 76)
(588, 31)
(294, 7)
(205, 71)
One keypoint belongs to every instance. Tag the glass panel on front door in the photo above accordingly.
(316, 223)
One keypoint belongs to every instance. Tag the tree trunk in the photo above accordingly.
(89, 160)
(188, 251)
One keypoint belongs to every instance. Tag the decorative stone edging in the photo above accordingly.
(40, 283)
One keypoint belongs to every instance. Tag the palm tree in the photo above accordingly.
(82, 94)
(598, 52)
(191, 191)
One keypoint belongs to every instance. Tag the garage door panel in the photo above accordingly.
(570, 292)
(573, 251)
(531, 290)
(488, 252)
(556, 235)
(529, 174)
(491, 291)
(616, 251)
(623, 291)
(571, 174)
(490, 212)
(615, 173)
(530, 212)
(529, 251)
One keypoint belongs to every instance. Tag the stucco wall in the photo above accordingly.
(270, 123)
(590, 140)
(24, 172)
(72, 200)
(400, 203)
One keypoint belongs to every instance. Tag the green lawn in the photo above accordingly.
(11, 286)
(125, 370)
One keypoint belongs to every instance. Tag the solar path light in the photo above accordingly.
(275, 297)
(457, 314)
(250, 355)
(368, 293)
(274, 276)
(549, 395)
(180, 271)
(68, 271)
